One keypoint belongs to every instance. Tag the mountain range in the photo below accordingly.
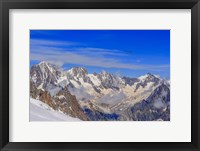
(100, 96)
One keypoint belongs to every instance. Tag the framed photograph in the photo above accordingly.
(99, 75)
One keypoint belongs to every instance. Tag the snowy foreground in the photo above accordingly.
(40, 111)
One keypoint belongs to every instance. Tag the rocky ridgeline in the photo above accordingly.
(79, 94)
(63, 101)
(155, 107)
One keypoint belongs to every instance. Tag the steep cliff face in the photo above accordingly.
(68, 104)
(63, 101)
(44, 74)
(41, 95)
(155, 107)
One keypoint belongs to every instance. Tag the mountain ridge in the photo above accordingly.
(100, 94)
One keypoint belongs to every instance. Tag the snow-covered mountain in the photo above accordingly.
(103, 93)
(40, 111)
(155, 107)
(63, 101)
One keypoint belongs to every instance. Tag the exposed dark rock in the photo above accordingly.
(51, 85)
(155, 107)
(68, 104)
(149, 78)
(130, 81)
(94, 115)
(110, 81)
(63, 101)
(44, 73)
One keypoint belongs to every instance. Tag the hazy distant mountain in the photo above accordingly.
(101, 96)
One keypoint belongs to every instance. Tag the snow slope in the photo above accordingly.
(40, 111)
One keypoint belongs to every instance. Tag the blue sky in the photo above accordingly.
(125, 52)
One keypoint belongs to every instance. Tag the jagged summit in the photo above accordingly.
(153, 108)
(96, 93)
(103, 72)
(43, 62)
(46, 67)
(77, 72)
(147, 76)
(148, 73)
(45, 74)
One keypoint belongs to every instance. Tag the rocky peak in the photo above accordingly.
(68, 104)
(46, 65)
(130, 81)
(77, 72)
(105, 75)
(147, 76)
(103, 72)
(45, 73)
(95, 74)
(147, 79)
(155, 107)
(161, 91)
(109, 80)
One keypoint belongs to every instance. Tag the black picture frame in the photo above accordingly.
(5, 5)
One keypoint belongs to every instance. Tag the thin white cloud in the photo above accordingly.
(102, 51)
(61, 58)
(50, 43)
(61, 52)
(38, 44)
